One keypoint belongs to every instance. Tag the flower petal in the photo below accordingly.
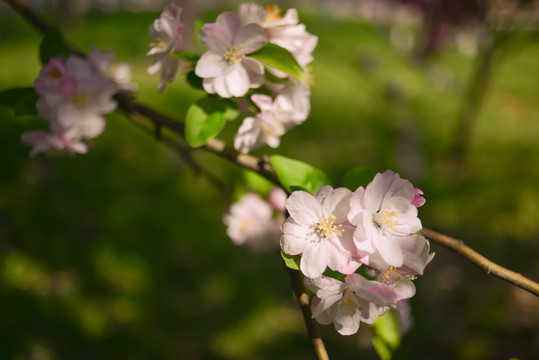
(314, 260)
(251, 38)
(304, 208)
(210, 64)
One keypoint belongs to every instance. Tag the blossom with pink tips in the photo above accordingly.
(54, 79)
(318, 229)
(267, 126)
(74, 97)
(250, 222)
(418, 199)
(226, 69)
(347, 304)
(167, 37)
(277, 199)
(293, 95)
(384, 218)
(80, 113)
(46, 142)
(282, 30)
(103, 63)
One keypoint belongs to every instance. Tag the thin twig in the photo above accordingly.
(490, 267)
(184, 152)
(216, 146)
(263, 167)
(305, 305)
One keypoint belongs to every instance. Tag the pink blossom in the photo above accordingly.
(167, 36)
(225, 68)
(250, 222)
(277, 198)
(103, 63)
(319, 230)
(43, 141)
(294, 95)
(82, 112)
(346, 304)
(385, 218)
(282, 30)
(54, 79)
(267, 126)
(416, 257)
(418, 199)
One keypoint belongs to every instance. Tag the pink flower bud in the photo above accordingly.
(277, 198)
(418, 199)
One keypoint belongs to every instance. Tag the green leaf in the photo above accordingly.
(232, 113)
(296, 173)
(194, 81)
(9, 98)
(22, 101)
(198, 25)
(386, 335)
(205, 119)
(257, 182)
(188, 56)
(279, 58)
(26, 104)
(358, 177)
(334, 274)
(53, 44)
(291, 261)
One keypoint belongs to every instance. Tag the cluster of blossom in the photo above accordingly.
(226, 69)
(256, 223)
(374, 226)
(74, 96)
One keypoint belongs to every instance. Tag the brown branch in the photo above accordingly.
(215, 146)
(263, 167)
(183, 151)
(37, 21)
(490, 267)
(305, 305)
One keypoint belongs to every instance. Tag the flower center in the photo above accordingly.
(80, 100)
(158, 42)
(387, 217)
(56, 73)
(326, 228)
(349, 304)
(273, 13)
(393, 276)
(234, 54)
(272, 128)
(245, 224)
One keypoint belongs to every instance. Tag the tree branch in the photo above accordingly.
(305, 305)
(215, 146)
(481, 261)
(264, 168)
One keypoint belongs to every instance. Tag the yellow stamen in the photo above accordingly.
(393, 276)
(273, 13)
(158, 42)
(387, 217)
(234, 54)
(326, 228)
(80, 100)
(350, 305)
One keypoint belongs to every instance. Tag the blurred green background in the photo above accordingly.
(122, 254)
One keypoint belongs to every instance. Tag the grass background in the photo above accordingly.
(121, 253)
